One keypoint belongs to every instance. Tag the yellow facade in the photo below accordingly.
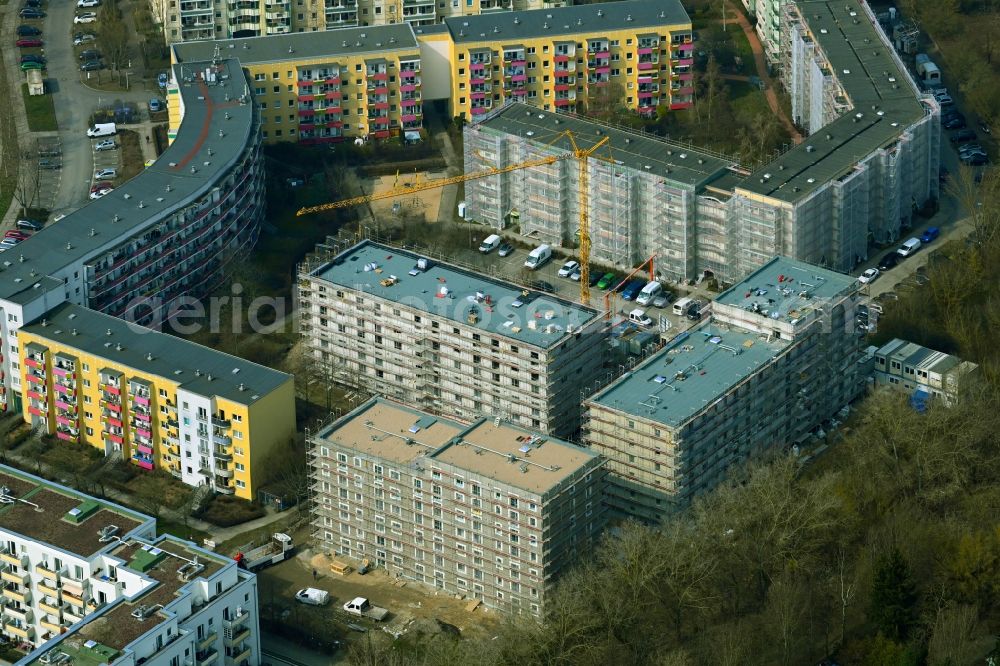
(121, 409)
(652, 66)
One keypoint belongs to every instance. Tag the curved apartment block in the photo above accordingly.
(167, 233)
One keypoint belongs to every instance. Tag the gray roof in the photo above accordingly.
(169, 354)
(916, 356)
(688, 375)
(302, 45)
(92, 229)
(503, 27)
(682, 164)
(430, 29)
(542, 321)
(879, 91)
(788, 289)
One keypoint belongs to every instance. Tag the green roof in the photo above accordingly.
(884, 104)
(202, 370)
(683, 164)
(689, 374)
(540, 320)
(501, 28)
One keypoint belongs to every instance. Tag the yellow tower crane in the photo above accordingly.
(580, 154)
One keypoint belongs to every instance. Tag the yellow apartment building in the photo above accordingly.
(322, 87)
(161, 402)
(560, 58)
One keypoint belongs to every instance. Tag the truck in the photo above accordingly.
(313, 596)
(102, 129)
(272, 552)
(537, 257)
(360, 606)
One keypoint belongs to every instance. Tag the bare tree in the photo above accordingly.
(28, 184)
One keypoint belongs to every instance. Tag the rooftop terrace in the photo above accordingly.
(152, 353)
(449, 292)
(165, 186)
(788, 290)
(884, 104)
(503, 452)
(500, 28)
(59, 517)
(682, 164)
(689, 374)
(298, 46)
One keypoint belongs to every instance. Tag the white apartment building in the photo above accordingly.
(488, 510)
(449, 340)
(777, 356)
(85, 581)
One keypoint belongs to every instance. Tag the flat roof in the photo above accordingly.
(150, 352)
(454, 293)
(917, 356)
(117, 627)
(396, 432)
(676, 162)
(507, 453)
(787, 289)
(42, 515)
(883, 100)
(501, 27)
(296, 46)
(515, 456)
(690, 373)
(165, 186)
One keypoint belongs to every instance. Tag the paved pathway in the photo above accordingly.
(764, 73)
(449, 193)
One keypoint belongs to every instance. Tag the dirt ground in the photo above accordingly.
(407, 602)
(426, 202)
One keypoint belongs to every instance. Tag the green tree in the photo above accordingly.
(893, 597)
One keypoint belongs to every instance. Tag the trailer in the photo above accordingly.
(274, 551)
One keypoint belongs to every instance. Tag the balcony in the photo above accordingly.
(54, 628)
(17, 594)
(239, 658)
(224, 473)
(235, 623)
(207, 641)
(206, 658)
(18, 578)
(237, 638)
(23, 632)
(48, 590)
(49, 608)
(72, 599)
(72, 586)
(14, 559)
(222, 456)
(221, 423)
(23, 615)
(225, 490)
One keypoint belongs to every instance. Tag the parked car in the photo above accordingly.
(568, 268)
(161, 79)
(91, 66)
(32, 64)
(82, 38)
(28, 42)
(86, 17)
(595, 277)
(954, 123)
(101, 192)
(102, 174)
(90, 54)
(930, 234)
(29, 225)
(889, 261)
(971, 147)
(106, 144)
(32, 57)
(32, 13)
(945, 100)
(505, 249)
(633, 289)
(694, 311)
(28, 31)
(908, 247)
(155, 106)
(100, 185)
(83, 4)
(962, 135)
(607, 281)
(15, 234)
(975, 159)
(869, 276)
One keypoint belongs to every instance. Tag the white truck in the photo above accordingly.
(360, 606)
(537, 257)
(313, 596)
(102, 129)
(272, 552)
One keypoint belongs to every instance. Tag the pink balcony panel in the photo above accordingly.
(145, 433)
(686, 77)
(406, 103)
(381, 76)
(37, 380)
(142, 401)
(477, 81)
(333, 80)
(563, 102)
(36, 395)
(65, 420)
(477, 66)
(62, 372)
(145, 464)
(32, 363)
(381, 106)
(646, 65)
(643, 50)
(519, 78)
(307, 98)
(478, 95)
(382, 134)
(683, 91)
(65, 436)
(64, 405)
(115, 422)
(334, 123)
(113, 407)
(112, 390)
(645, 78)
(408, 117)
(602, 54)
(306, 126)
(144, 449)
(384, 121)
(561, 58)
(680, 105)
(408, 87)
(332, 95)
(478, 111)
(685, 62)
(562, 87)
(408, 74)
(520, 92)
(117, 439)
(35, 411)
(602, 70)
(520, 62)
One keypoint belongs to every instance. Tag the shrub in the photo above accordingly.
(226, 511)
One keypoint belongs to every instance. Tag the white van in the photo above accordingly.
(652, 289)
(909, 247)
(681, 306)
(490, 243)
(313, 596)
(537, 257)
(102, 129)
(640, 317)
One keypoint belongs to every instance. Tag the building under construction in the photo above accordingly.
(870, 162)
(777, 357)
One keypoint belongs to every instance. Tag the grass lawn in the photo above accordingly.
(40, 110)
(166, 526)
(131, 155)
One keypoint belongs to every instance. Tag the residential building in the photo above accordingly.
(206, 417)
(633, 182)
(563, 58)
(450, 340)
(925, 373)
(869, 164)
(86, 581)
(488, 510)
(166, 233)
(327, 86)
(777, 356)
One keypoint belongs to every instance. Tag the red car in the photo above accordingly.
(101, 185)
(15, 234)
(24, 43)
